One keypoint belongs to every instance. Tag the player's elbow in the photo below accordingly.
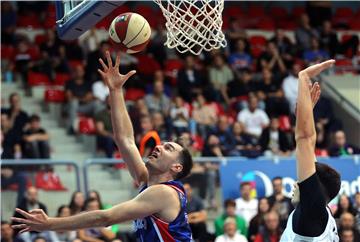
(308, 140)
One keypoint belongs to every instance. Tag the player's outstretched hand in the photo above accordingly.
(111, 75)
(315, 92)
(314, 70)
(35, 220)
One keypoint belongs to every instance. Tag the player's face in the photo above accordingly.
(164, 157)
(296, 194)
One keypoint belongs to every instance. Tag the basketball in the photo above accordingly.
(130, 32)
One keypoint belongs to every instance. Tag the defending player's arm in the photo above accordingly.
(145, 204)
(122, 127)
(305, 133)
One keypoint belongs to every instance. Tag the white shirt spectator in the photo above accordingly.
(246, 209)
(180, 116)
(100, 90)
(253, 121)
(290, 88)
(237, 238)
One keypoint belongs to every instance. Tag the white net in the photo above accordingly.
(193, 25)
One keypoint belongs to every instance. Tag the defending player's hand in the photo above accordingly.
(316, 69)
(111, 75)
(35, 220)
(315, 92)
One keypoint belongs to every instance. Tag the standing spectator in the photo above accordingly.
(258, 221)
(150, 138)
(253, 119)
(196, 215)
(230, 208)
(240, 59)
(290, 86)
(36, 140)
(273, 141)
(279, 202)
(246, 206)
(344, 205)
(7, 233)
(341, 147)
(189, 80)
(80, 98)
(104, 132)
(347, 235)
(315, 54)
(65, 236)
(204, 114)
(230, 232)
(304, 33)
(271, 231)
(76, 203)
(158, 101)
(220, 75)
(179, 114)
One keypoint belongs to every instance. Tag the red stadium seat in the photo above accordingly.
(256, 11)
(355, 24)
(321, 152)
(344, 66)
(146, 11)
(133, 94)
(54, 95)
(284, 123)
(287, 24)
(7, 52)
(233, 12)
(61, 78)
(147, 65)
(344, 12)
(266, 24)
(86, 125)
(49, 181)
(257, 44)
(29, 21)
(75, 63)
(40, 38)
(37, 78)
(15, 187)
(297, 12)
(278, 12)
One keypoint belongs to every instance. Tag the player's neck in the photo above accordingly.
(159, 178)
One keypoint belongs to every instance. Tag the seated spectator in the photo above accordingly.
(36, 140)
(223, 132)
(104, 131)
(347, 235)
(344, 205)
(95, 234)
(234, 33)
(205, 115)
(150, 138)
(7, 233)
(179, 115)
(253, 119)
(14, 175)
(279, 202)
(269, 91)
(328, 39)
(304, 33)
(347, 221)
(315, 54)
(197, 214)
(258, 221)
(271, 230)
(10, 139)
(273, 141)
(136, 111)
(92, 62)
(246, 206)
(65, 236)
(157, 119)
(220, 75)
(290, 86)
(271, 59)
(245, 145)
(341, 147)
(240, 59)
(357, 208)
(189, 80)
(158, 101)
(8, 23)
(80, 98)
(76, 203)
(100, 90)
(212, 147)
(230, 232)
(324, 115)
(229, 212)
(285, 47)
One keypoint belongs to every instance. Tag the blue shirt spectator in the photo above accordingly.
(240, 59)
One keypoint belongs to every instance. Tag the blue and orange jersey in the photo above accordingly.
(154, 229)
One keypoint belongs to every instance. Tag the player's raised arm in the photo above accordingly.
(122, 127)
(305, 133)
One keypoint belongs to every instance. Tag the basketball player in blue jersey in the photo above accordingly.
(159, 209)
(318, 183)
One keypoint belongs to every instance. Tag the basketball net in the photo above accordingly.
(193, 25)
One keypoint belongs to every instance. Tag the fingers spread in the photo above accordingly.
(108, 57)
(20, 220)
(129, 74)
(117, 62)
(19, 226)
(24, 230)
(103, 64)
(23, 213)
(101, 73)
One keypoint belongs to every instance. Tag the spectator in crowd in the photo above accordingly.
(13, 175)
(274, 141)
(269, 91)
(189, 80)
(150, 138)
(234, 33)
(258, 221)
(231, 233)
(197, 215)
(204, 114)
(271, 230)
(158, 101)
(179, 115)
(8, 23)
(76, 203)
(104, 132)
(328, 39)
(347, 235)
(36, 140)
(24, 60)
(290, 86)
(18, 118)
(244, 144)
(357, 208)
(240, 59)
(253, 119)
(304, 33)
(220, 75)
(230, 208)
(344, 205)
(315, 54)
(80, 98)
(223, 132)
(279, 202)
(10, 139)
(40, 239)
(136, 111)
(100, 90)
(212, 147)
(246, 206)
(101, 234)
(347, 221)
(161, 127)
(92, 62)
(284, 46)
(271, 59)
(341, 147)
(7, 233)
(65, 236)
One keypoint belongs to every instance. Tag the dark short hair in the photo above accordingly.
(12, 95)
(229, 202)
(61, 208)
(277, 178)
(244, 184)
(34, 117)
(90, 200)
(329, 178)
(187, 163)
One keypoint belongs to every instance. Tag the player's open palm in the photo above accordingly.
(35, 220)
(111, 75)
